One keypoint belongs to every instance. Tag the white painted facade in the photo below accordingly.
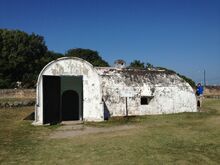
(118, 91)
(92, 96)
(168, 92)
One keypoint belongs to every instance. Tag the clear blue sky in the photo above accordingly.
(183, 35)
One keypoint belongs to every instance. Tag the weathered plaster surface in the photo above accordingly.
(170, 93)
(92, 103)
(118, 91)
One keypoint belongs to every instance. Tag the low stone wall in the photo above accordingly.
(212, 92)
(212, 96)
(17, 93)
(10, 98)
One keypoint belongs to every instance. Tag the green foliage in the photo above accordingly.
(137, 64)
(140, 65)
(148, 65)
(22, 56)
(88, 55)
(187, 79)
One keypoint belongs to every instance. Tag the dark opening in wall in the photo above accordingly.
(145, 100)
(198, 104)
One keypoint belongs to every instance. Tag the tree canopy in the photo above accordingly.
(140, 65)
(22, 56)
(89, 55)
(137, 64)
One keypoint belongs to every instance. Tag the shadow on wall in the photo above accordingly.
(106, 112)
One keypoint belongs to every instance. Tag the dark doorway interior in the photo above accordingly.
(62, 98)
(70, 105)
(51, 99)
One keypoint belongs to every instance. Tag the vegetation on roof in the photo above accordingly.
(137, 64)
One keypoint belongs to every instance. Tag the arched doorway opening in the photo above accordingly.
(70, 105)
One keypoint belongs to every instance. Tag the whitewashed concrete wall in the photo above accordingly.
(108, 88)
(92, 95)
(171, 94)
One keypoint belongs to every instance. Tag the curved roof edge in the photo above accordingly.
(60, 59)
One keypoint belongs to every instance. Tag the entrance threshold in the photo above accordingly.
(73, 122)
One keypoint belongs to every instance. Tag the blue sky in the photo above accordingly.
(183, 35)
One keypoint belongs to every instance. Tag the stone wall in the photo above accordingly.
(10, 98)
(17, 93)
(212, 92)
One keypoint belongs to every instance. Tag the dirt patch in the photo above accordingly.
(68, 131)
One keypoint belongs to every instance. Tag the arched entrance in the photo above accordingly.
(59, 76)
(70, 105)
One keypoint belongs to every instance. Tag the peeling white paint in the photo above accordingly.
(92, 96)
(119, 91)
(170, 93)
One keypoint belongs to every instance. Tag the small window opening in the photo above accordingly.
(145, 100)
(198, 104)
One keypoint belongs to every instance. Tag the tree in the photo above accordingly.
(22, 56)
(137, 64)
(148, 65)
(88, 55)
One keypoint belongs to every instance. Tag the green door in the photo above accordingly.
(71, 98)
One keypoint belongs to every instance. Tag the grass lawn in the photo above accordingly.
(186, 138)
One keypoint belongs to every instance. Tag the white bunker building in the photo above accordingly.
(70, 88)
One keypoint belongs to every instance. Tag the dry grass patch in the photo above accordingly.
(187, 138)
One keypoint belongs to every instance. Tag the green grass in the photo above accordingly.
(187, 138)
